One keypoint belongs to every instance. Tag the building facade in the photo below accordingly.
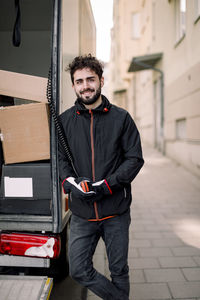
(78, 38)
(154, 73)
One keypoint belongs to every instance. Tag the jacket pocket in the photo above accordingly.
(117, 203)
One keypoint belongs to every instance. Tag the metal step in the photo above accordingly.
(25, 287)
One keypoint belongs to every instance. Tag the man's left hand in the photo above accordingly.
(100, 188)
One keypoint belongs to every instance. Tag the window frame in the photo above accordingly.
(180, 21)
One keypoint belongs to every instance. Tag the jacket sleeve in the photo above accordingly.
(65, 168)
(132, 156)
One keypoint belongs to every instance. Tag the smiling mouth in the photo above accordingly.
(87, 92)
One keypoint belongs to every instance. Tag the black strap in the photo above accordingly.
(17, 27)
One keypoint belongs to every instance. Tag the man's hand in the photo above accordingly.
(80, 187)
(100, 188)
(84, 189)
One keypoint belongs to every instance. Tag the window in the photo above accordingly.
(136, 25)
(181, 129)
(180, 11)
(197, 10)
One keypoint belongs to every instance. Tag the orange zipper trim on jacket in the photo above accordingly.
(93, 166)
(106, 218)
(92, 145)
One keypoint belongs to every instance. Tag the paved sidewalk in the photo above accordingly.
(164, 251)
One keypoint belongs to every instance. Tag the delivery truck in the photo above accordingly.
(34, 215)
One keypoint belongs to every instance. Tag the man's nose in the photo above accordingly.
(85, 84)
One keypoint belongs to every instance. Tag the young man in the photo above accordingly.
(107, 154)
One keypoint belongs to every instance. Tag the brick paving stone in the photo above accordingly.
(171, 235)
(143, 263)
(150, 291)
(184, 289)
(139, 243)
(190, 238)
(154, 252)
(185, 251)
(137, 276)
(192, 274)
(167, 242)
(197, 260)
(176, 262)
(161, 227)
(147, 235)
(164, 275)
(151, 216)
(133, 253)
(144, 222)
(137, 228)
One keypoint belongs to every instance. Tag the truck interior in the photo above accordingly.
(43, 211)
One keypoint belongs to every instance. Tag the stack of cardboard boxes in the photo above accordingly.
(24, 128)
(25, 138)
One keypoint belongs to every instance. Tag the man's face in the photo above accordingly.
(87, 85)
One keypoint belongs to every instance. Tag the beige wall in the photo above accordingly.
(78, 38)
(124, 46)
(180, 65)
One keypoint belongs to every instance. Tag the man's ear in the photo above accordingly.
(102, 81)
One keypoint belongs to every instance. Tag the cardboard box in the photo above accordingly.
(23, 86)
(25, 132)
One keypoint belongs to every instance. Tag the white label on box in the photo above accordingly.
(18, 187)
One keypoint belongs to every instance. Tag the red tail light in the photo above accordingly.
(30, 245)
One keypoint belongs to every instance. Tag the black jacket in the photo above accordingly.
(105, 144)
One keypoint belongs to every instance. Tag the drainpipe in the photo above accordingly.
(146, 66)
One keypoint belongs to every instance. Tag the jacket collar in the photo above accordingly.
(103, 107)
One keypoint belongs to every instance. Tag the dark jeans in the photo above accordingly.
(84, 236)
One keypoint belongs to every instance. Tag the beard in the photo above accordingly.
(88, 100)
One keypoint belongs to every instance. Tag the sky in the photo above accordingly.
(103, 12)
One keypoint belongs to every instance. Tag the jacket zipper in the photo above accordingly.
(93, 166)
(124, 192)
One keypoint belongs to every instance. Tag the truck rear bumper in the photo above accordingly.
(20, 261)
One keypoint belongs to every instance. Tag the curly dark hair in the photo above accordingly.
(87, 61)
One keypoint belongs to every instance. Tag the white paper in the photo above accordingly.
(18, 187)
(78, 186)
